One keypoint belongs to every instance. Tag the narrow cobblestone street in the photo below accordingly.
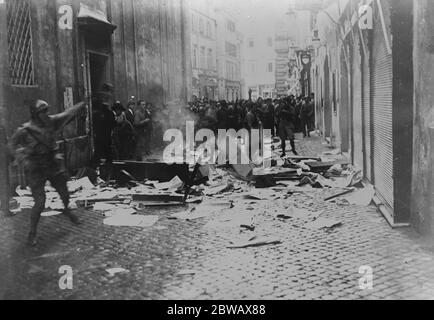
(179, 259)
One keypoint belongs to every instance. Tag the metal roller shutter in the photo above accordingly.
(366, 75)
(381, 95)
(357, 141)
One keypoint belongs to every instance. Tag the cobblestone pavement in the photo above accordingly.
(177, 259)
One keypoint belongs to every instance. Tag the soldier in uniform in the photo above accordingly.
(34, 146)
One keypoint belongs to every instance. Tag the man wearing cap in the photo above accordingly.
(34, 146)
(103, 123)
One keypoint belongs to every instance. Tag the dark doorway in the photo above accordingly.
(97, 71)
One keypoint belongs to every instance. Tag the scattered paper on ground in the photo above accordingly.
(202, 210)
(23, 192)
(50, 213)
(173, 184)
(83, 183)
(113, 271)
(128, 220)
(361, 197)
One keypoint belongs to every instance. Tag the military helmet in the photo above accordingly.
(39, 106)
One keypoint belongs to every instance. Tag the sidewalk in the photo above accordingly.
(178, 259)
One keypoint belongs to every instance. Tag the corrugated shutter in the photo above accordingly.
(381, 94)
(357, 141)
(366, 75)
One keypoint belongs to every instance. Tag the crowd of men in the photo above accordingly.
(283, 116)
(121, 132)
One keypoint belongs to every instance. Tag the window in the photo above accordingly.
(270, 41)
(208, 29)
(194, 62)
(252, 67)
(20, 42)
(193, 23)
(270, 67)
(231, 49)
(202, 58)
(230, 70)
(251, 43)
(230, 25)
(209, 60)
(201, 30)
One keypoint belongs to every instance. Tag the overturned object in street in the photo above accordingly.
(265, 181)
(254, 242)
(160, 171)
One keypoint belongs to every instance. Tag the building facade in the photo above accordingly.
(372, 85)
(259, 58)
(229, 42)
(203, 28)
(63, 51)
(294, 51)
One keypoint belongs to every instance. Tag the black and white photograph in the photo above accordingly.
(201, 151)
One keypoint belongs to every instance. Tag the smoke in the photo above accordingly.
(167, 115)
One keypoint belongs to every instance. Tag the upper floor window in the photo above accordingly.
(230, 25)
(270, 67)
(208, 29)
(231, 49)
(201, 27)
(194, 58)
(251, 43)
(19, 37)
(270, 41)
(193, 23)
(252, 67)
(209, 60)
(202, 63)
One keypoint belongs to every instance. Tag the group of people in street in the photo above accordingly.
(124, 133)
(121, 132)
(284, 116)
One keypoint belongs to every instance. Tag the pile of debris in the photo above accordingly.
(229, 195)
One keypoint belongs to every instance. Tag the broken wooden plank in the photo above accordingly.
(339, 194)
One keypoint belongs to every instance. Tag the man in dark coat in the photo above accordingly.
(103, 121)
(285, 115)
(307, 117)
